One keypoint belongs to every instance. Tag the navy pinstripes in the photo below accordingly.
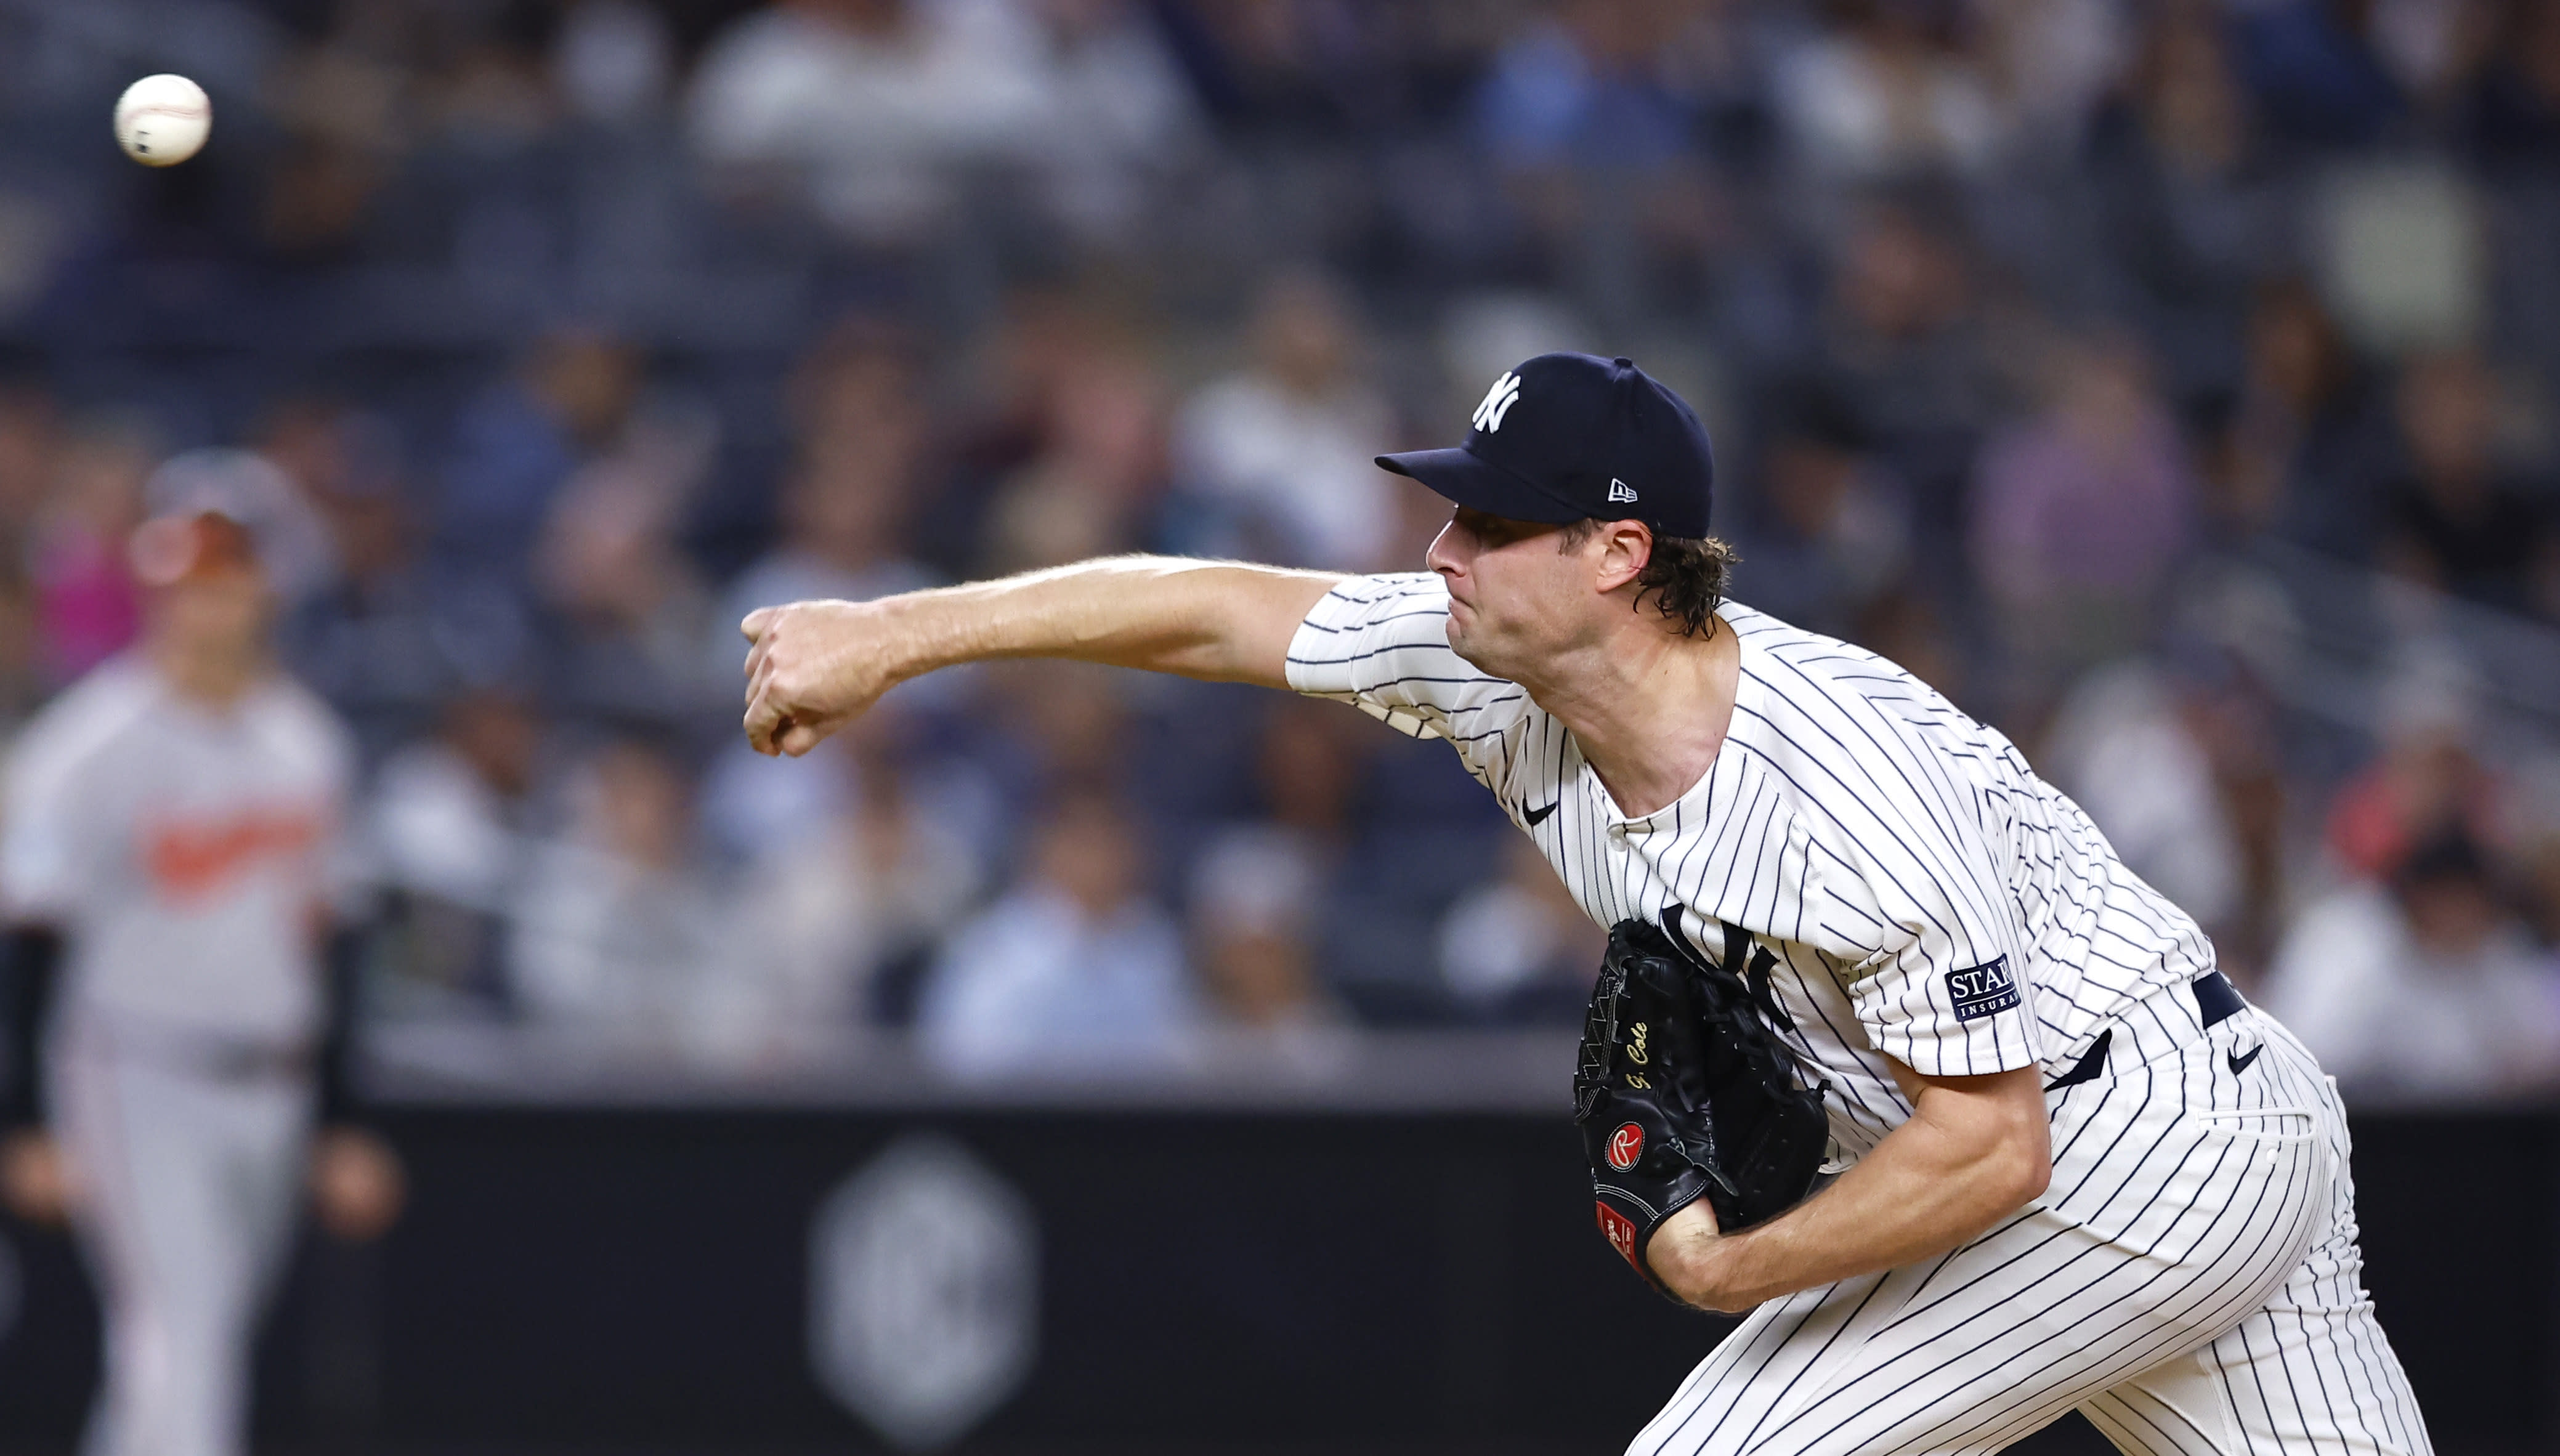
(1875, 840)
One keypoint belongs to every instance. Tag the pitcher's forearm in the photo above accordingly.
(813, 666)
(1219, 620)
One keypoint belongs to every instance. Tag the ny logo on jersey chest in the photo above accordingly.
(1752, 962)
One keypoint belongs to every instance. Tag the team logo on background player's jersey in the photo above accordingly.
(1626, 1145)
(192, 858)
(1984, 990)
(1497, 403)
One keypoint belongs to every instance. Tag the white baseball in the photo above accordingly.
(161, 120)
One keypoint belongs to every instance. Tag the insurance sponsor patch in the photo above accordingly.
(1984, 990)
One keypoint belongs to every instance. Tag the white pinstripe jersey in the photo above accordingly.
(1907, 883)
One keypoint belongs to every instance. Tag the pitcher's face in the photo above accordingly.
(1518, 591)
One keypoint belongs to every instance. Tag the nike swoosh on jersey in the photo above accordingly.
(2240, 1064)
(1538, 816)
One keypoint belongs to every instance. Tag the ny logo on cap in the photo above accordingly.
(1497, 403)
(1620, 490)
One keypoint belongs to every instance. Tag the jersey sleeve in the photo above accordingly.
(1908, 891)
(1949, 995)
(1381, 644)
(50, 828)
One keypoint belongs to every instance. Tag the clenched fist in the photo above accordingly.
(814, 667)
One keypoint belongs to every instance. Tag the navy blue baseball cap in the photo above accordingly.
(1575, 437)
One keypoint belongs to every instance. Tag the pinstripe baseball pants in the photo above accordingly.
(2189, 1282)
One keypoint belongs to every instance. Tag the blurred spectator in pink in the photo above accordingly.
(2427, 986)
(2459, 520)
(1282, 455)
(86, 609)
(1075, 972)
(2079, 513)
(1519, 948)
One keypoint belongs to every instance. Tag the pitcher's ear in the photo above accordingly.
(1626, 547)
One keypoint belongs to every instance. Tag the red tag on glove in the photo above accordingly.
(1621, 1234)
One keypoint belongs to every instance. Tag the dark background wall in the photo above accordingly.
(1208, 1281)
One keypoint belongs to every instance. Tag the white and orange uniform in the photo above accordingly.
(189, 856)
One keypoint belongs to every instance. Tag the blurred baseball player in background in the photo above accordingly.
(171, 842)
(2081, 1171)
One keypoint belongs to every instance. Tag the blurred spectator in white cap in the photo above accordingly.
(2428, 988)
(1282, 455)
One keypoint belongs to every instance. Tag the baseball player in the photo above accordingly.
(170, 833)
(2080, 1171)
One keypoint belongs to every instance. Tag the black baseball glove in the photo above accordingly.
(1683, 1091)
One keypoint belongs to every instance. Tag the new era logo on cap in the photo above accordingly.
(1558, 438)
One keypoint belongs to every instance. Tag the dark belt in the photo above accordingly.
(2217, 1001)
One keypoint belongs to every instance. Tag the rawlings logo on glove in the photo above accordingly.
(1682, 1092)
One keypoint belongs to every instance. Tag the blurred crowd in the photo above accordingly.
(2174, 385)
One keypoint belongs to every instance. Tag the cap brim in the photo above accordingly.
(1472, 481)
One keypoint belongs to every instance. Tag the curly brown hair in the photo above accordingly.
(1687, 577)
